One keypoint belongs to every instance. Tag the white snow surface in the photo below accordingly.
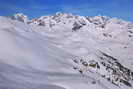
(40, 57)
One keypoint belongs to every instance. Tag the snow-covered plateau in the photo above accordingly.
(65, 51)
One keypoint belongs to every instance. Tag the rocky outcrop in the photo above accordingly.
(116, 73)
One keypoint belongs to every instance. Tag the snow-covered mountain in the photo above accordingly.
(66, 51)
(20, 17)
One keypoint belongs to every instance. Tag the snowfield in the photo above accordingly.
(65, 51)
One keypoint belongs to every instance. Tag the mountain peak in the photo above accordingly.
(20, 17)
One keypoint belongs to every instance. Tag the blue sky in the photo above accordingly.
(34, 8)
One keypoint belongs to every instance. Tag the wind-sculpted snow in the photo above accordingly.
(46, 53)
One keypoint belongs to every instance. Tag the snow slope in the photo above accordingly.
(49, 56)
(111, 35)
(30, 61)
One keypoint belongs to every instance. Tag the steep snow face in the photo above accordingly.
(64, 51)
